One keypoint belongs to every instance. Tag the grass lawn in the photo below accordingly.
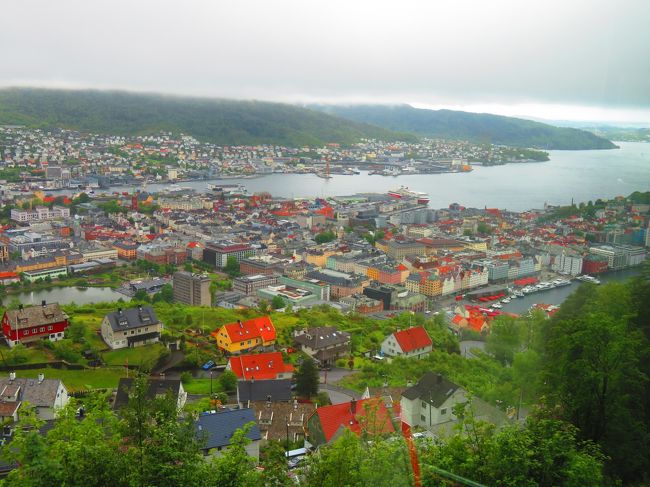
(136, 356)
(201, 386)
(79, 379)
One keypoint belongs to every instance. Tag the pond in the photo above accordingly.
(67, 295)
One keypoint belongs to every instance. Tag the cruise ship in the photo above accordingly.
(404, 192)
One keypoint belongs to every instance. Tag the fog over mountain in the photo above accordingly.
(560, 60)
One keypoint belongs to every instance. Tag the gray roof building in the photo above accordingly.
(126, 319)
(431, 388)
(218, 428)
(156, 388)
(260, 390)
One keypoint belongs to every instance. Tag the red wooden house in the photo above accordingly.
(26, 325)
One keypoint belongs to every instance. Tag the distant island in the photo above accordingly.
(475, 127)
(233, 122)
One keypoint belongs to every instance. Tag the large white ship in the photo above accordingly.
(404, 192)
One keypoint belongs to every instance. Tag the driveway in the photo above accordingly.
(334, 375)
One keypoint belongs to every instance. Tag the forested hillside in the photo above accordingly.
(225, 122)
(475, 127)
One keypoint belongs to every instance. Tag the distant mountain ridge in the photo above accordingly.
(475, 127)
(224, 122)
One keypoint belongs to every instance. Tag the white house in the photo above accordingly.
(430, 404)
(45, 395)
(412, 342)
(132, 327)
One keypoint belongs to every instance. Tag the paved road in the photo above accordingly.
(339, 394)
(466, 347)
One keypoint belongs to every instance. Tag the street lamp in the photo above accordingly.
(287, 423)
(210, 383)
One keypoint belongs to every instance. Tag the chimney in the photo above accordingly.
(12, 376)
(439, 378)
(43, 303)
(41, 378)
(241, 325)
(119, 311)
(353, 406)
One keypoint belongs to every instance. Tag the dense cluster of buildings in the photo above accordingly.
(56, 159)
(368, 252)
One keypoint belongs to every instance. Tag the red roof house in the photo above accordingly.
(412, 342)
(262, 366)
(369, 416)
(243, 336)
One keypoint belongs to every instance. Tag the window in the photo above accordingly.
(424, 404)
(41, 329)
(25, 332)
(443, 411)
(422, 418)
(50, 328)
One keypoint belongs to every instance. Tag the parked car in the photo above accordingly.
(208, 365)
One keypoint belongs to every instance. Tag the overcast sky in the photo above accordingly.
(556, 59)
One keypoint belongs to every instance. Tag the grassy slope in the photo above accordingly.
(481, 128)
(225, 122)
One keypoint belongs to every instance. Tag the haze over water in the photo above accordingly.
(581, 175)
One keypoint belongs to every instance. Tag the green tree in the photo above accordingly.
(235, 467)
(166, 294)
(307, 378)
(504, 339)
(353, 461)
(141, 295)
(228, 381)
(76, 331)
(232, 266)
(484, 228)
(274, 462)
(325, 237)
(278, 302)
(594, 371)
(543, 452)
(159, 448)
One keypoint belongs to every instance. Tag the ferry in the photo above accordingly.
(230, 189)
(561, 282)
(588, 278)
(404, 192)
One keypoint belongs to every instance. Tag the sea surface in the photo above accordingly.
(569, 175)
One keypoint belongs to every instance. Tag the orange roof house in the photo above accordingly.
(243, 336)
(261, 366)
